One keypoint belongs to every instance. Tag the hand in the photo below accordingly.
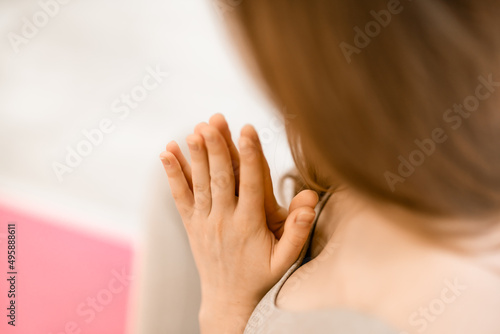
(237, 255)
(275, 214)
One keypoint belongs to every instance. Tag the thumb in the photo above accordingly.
(306, 198)
(297, 228)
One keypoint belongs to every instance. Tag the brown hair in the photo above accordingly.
(395, 98)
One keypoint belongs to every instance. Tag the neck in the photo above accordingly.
(360, 227)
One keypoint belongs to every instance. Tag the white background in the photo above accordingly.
(65, 79)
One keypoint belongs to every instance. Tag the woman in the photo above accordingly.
(392, 120)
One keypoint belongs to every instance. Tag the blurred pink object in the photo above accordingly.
(67, 282)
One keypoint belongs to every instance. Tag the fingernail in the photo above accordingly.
(305, 219)
(193, 146)
(209, 136)
(245, 145)
(165, 160)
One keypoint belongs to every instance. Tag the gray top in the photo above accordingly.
(268, 319)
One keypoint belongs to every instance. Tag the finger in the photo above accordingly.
(221, 170)
(200, 174)
(297, 228)
(179, 187)
(219, 122)
(306, 198)
(275, 213)
(251, 195)
(174, 148)
(199, 127)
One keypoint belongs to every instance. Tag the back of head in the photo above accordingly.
(396, 98)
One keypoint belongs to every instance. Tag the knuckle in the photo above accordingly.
(296, 240)
(215, 147)
(179, 196)
(250, 187)
(249, 155)
(201, 188)
(222, 180)
(248, 149)
(184, 206)
(199, 218)
(202, 204)
(174, 172)
(186, 211)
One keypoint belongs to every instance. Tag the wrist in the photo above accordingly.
(220, 317)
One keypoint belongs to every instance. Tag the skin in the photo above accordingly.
(242, 240)
(363, 257)
(366, 260)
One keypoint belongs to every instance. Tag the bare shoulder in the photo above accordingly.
(425, 292)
